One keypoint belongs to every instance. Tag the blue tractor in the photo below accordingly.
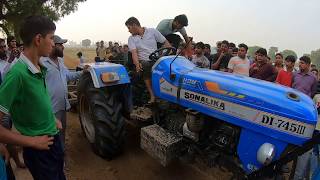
(252, 126)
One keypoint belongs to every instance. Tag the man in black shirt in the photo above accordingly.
(221, 59)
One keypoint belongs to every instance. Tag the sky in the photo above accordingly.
(286, 24)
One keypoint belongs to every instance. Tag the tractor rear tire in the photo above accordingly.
(101, 119)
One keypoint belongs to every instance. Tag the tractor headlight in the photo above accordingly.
(266, 153)
(110, 77)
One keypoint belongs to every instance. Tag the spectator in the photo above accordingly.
(56, 80)
(125, 53)
(168, 27)
(306, 82)
(231, 47)
(97, 48)
(102, 52)
(33, 119)
(235, 52)
(80, 56)
(240, 64)
(110, 45)
(313, 66)
(141, 48)
(285, 75)
(3, 55)
(218, 44)
(315, 72)
(207, 50)
(278, 62)
(263, 70)
(12, 51)
(199, 59)
(221, 59)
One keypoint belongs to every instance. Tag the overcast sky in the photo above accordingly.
(287, 24)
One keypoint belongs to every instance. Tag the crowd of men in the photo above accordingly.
(33, 90)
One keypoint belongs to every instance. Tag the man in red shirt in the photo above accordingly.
(285, 76)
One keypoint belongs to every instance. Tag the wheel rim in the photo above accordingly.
(86, 119)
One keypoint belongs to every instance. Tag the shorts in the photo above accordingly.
(147, 68)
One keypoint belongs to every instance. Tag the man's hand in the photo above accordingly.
(86, 68)
(4, 152)
(58, 124)
(138, 67)
(41, 142)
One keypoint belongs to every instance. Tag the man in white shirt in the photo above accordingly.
(240, 64)
(142, 42)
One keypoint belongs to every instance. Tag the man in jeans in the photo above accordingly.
(142, 43)
(306, 82)
(29, 103)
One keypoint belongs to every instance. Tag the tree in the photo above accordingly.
(315, 57)
(288, 52)
(14, 11)
(252, 50)
(272, 52)
(86, 43)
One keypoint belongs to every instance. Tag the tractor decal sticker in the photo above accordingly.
(167, 88)
(214, 87)
(192, 82)
(212, 102)
(262, 118)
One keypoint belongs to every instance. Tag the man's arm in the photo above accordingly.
(217, 63)
(10, 137)
(135, 60)
(314, 88)
(273, 75)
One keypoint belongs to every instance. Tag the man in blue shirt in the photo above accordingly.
(56, 81)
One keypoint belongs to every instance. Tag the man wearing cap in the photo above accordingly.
(167, 27)
(56, 81)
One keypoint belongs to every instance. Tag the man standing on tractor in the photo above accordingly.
(56, 80)
(168, 27)
(142, 43)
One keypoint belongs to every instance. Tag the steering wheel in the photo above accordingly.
(165, 51)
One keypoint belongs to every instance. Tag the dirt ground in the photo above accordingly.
(83, 164)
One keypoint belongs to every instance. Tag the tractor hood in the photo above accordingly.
(261, 106)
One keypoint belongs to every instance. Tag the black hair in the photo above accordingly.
(262, 51)
(315, 69)
(10, 38)
(125, 46)
(79, 54)
(232, 45)
(235, 49)
(279, 54)
(181, 19)
(34, 25)
(200, 45)
(132, 21)
(225, 42)
(305, 59)
(242, 45)
(290, 58)
(207, 46)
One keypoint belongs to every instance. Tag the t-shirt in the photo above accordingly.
(165, 28)
(146, 44)
(201, 61)
(224, 61)
(239, 65)
(264, 71)
(24, 95)
(284, 78)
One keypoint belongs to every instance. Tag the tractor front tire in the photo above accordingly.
(101, 119)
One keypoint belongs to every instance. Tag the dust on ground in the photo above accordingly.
(134, 163)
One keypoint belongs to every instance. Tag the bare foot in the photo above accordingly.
(152, 100)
